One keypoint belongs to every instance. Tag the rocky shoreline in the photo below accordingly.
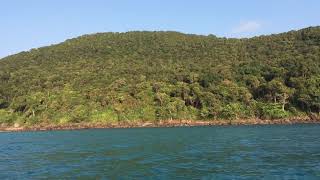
(162, 123)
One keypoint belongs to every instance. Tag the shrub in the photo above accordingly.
(107, 115)
(271, 111)
(231, 111)
(6, 117)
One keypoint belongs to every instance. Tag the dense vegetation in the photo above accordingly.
(111, 77)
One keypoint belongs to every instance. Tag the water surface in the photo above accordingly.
(234, 152)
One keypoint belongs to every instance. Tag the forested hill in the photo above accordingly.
(108, 77)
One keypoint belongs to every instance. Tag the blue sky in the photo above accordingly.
(27, 24)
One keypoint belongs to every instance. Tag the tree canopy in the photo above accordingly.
(163, 75)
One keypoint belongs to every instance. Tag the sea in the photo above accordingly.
(220, 152)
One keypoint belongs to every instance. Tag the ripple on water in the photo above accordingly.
(244, 152)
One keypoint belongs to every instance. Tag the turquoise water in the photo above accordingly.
(243, 152)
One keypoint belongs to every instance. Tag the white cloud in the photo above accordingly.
(246, 27)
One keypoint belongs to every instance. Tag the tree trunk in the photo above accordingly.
(284, 100)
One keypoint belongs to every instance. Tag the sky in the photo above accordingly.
(26, 24)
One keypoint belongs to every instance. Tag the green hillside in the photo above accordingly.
(110, 77)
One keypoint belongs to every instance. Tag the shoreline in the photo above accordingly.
(159, 124)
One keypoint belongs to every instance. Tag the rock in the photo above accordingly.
(146, 124)
(314, 117)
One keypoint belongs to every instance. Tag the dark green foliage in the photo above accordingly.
(162, 75)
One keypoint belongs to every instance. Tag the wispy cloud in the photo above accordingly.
(246, 27)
